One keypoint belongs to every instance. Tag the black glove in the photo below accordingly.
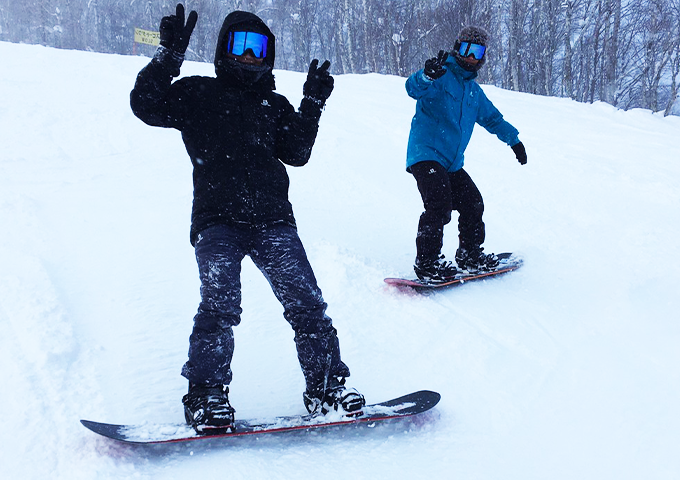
(319, 84)
(434, 67)
(174, 33)
(520, 153)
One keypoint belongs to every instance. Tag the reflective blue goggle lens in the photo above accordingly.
(240, 42)
(466, 48)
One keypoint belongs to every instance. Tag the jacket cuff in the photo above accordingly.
(426, 78)
(169, 59)
(311, 107)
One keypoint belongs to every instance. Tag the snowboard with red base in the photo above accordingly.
(508, 262)
(402, 407)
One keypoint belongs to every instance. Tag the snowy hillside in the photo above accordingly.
(568, 368)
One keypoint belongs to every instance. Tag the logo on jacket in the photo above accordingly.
(265, 103)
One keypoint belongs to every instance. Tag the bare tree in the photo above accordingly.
(611, 47)
(624, 52)
(675, 62)
(516, 18)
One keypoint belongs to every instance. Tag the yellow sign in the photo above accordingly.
(147, 37)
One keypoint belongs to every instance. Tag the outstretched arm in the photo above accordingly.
(490, 118)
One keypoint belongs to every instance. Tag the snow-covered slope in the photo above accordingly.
(568, 368)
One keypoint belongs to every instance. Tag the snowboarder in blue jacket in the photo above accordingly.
(449, 103)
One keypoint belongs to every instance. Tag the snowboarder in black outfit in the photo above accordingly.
(239, 134)
(450, 102)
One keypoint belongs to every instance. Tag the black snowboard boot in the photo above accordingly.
(337, 398)
(437, 270)
(475, 260)
(207, 409)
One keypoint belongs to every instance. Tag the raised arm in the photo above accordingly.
(152, 99)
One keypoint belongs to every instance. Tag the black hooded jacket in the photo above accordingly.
(237, 131)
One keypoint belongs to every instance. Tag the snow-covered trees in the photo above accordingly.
(624, 52)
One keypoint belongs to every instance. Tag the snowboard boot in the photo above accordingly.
(207, 409)
(475, 260)
(438, 270)
(337, 398)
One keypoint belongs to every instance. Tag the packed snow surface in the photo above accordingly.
(568, 368)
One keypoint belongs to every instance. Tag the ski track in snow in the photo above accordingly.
(567, 368)
(47, 369)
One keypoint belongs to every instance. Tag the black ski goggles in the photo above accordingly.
(465, 49)
(240, 42)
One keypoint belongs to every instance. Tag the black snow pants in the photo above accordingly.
(442, 192)
(278, 252)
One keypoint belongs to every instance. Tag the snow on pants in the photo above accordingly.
(443, 192)
(278, 253)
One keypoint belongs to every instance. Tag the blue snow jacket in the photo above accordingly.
(446, 113)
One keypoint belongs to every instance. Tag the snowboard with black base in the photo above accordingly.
(402, 407)
(507, 262)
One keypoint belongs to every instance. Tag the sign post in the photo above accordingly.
(146, 37)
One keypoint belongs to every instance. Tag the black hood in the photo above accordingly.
(239, 20)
